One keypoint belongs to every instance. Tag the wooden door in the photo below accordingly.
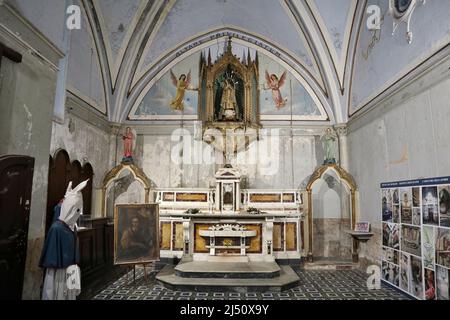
(16, 178)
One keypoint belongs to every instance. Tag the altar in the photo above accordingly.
(228, 223)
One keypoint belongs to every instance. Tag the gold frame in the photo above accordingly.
(114, 174)
(348, 179)
(247, 69)
(116, 225)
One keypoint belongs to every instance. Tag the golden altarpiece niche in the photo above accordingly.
(229, 92)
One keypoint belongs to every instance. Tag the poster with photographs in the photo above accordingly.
(444, 206)
(386, 205)
(390, 273)
(416, 236)
(391, 235)
(406, 205)
(411, 240)
(390, 255)
(430, 285)
(443, 247)
(428, 249)
(442, 283)
(404, 272)
(430, 211)
(416, 277)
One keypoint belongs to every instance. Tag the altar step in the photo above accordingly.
(285, 280)
(330, 264)
(227, 270)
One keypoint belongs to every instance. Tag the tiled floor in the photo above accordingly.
(315, 285)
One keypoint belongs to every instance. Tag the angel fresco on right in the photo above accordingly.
(275, 84)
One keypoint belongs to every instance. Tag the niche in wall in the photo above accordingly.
(61, 172)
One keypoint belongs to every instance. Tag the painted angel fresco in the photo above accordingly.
(182, 85)
(275, 84)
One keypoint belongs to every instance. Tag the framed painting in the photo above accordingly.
(136, 234)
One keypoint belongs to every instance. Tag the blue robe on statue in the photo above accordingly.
(60, 248)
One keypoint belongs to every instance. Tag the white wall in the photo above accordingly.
(405, 142)
(290, 168)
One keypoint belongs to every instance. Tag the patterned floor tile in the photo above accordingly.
(314, 285)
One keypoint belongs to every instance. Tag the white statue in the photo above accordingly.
(329, 141)
(60, 253)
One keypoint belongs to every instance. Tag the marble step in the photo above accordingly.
(329, 264)
(227, 270)
(286, 280)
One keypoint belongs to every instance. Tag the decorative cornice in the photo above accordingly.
(25, 37)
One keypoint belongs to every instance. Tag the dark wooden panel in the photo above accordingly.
(86, 240)
(16, 177)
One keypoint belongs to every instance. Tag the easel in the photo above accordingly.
(132, 266)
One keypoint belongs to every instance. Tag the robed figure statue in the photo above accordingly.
(228, 103)
(60, 255)
(329, 141)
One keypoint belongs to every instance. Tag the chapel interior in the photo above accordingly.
(266, 148)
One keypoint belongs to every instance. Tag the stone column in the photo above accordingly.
(343, 148)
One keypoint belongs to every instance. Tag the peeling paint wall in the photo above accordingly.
(403, 142)
(27, 91)
(290, 168)
(86, 143)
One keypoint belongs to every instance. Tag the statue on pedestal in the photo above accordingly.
(329, 141)
(128, 138)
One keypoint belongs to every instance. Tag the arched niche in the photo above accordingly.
(331, 195)
(125, 183)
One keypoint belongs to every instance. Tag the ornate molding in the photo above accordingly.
(137, 172)
(344, 175)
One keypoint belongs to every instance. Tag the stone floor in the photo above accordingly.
(315, 285)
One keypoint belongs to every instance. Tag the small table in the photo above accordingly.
(358, 237)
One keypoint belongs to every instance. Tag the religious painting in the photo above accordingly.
(404, 271)
(283, 96)
(391, 235)
(411, 242)
(396, 213)
(386, 204)
(430, 211)
(274, 84)
(406, 205)
(443, 247)
(172, 95)
(444, 206)
(428, 247)
(416, 277)
(442, 283)
(136, 234)
(390, 255)
(430, 285)
(390, 273)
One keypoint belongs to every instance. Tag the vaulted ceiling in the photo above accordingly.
(124, 45)
(137, 40)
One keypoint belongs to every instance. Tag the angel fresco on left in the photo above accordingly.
(182, 84)
(274, 84)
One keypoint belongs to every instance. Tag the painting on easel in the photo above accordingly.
(136, 234)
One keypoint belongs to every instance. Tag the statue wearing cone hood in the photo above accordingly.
(60, 254)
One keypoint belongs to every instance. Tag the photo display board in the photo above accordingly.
(416, 237)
